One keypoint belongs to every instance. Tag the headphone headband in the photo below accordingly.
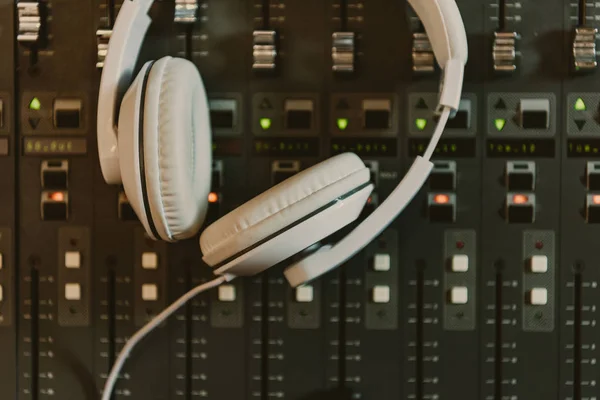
(446, 32)
(126, 41)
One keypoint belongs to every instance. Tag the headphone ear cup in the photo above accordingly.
(281, 207)
(173, 156)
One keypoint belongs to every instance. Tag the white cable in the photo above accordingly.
(437, 134)
(150, 326)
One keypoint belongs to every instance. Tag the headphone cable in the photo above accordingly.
(150, 326)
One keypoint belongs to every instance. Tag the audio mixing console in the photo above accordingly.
(485, 288)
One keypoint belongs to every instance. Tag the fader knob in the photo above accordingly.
(342, 52)
(264, 51)
(422, 54)
(504, 51)
(102, 39)
(30, 22)
(584, 49)
(186, 11)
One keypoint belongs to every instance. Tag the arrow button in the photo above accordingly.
(34, 122)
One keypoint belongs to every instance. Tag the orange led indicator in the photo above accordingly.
(596, 199)
(213, 197)
(57, 196)
(441, 199)
(520, 199)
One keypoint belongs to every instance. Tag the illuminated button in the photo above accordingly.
(73, 291)
(265, 123)
(520, 175)
(1, 261)
(421, 123)
(381, 294)
(342, 123)
(592, 208)
(538, 264)
(149, 260)
(35, 104)
(55, 206)
(538, 296)
(149, 292)
(459, 295)
(226, 293)
(592, 173)
(520, 207)
(535, 113)
(304, 294)
(460, 263)
(443, 175)
(67, 113)
(1, 293)
(213, 197)
(441, 207)
(499, 123)
(72, 259)
(579, 105)
(381, 262)
(376, 114)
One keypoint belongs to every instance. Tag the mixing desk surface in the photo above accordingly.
(485, 288)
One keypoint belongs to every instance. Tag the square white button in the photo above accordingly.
(73, 291)
(149, 292)
(381, 294)
(149, 260)
(381, 262)
(460, 263)
(459, 295)
(538, 296)
(304, 294)
(72, 259)
(226, 293)
(539, 264)
(1, 293)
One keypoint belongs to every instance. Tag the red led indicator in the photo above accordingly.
(213, 197)
(520, 199)
(57, 196)
(460, 244)
(441, 199)
(539, 245)
(596, 199)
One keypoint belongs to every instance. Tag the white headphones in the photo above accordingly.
(161, 152)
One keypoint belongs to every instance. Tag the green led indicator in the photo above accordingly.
(580, 105)
(421, 123)
(342, 123)
(35, 104)
(265, 123)
(499, 122)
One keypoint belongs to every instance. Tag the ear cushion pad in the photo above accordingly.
(177, 148)
(282, 205)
